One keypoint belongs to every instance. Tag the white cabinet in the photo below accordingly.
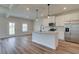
(52, 19)
(67, 18)
(74, 16)
(60, 21)
(46, 21)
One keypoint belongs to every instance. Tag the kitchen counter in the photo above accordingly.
(49, 32)
(48, 39)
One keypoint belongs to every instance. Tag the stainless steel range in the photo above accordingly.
(72, 31)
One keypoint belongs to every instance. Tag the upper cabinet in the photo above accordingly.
(74, 16)
(46, 21)
(70, 17)
(52, 19)
(60, 21)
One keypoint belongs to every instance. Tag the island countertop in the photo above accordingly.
(48, 39)
(47, 32)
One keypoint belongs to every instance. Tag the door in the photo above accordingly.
(68, 32)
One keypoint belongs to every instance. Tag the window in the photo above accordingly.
(24, 27)
(11, 28)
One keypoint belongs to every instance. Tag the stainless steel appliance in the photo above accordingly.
(52, 27)
(72, 31)
(52, 24)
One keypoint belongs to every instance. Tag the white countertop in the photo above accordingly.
(47, 32)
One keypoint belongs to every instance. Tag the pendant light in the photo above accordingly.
(36, 14)
(52, 24)
(48, 10)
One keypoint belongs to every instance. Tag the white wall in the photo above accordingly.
(4, 25)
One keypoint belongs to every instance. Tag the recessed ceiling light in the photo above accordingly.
(65, 8)
(27, 9)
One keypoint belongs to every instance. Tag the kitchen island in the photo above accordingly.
(48, 39)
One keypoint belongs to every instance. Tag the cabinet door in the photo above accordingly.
(60, 21)
(46, 21)
(52, 19)
(75, 32)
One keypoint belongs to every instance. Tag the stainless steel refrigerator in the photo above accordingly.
(72, 31)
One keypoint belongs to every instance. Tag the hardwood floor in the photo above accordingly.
(24, 45)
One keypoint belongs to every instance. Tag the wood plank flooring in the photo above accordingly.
(24, 45)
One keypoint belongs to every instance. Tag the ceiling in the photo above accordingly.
(20, 10)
